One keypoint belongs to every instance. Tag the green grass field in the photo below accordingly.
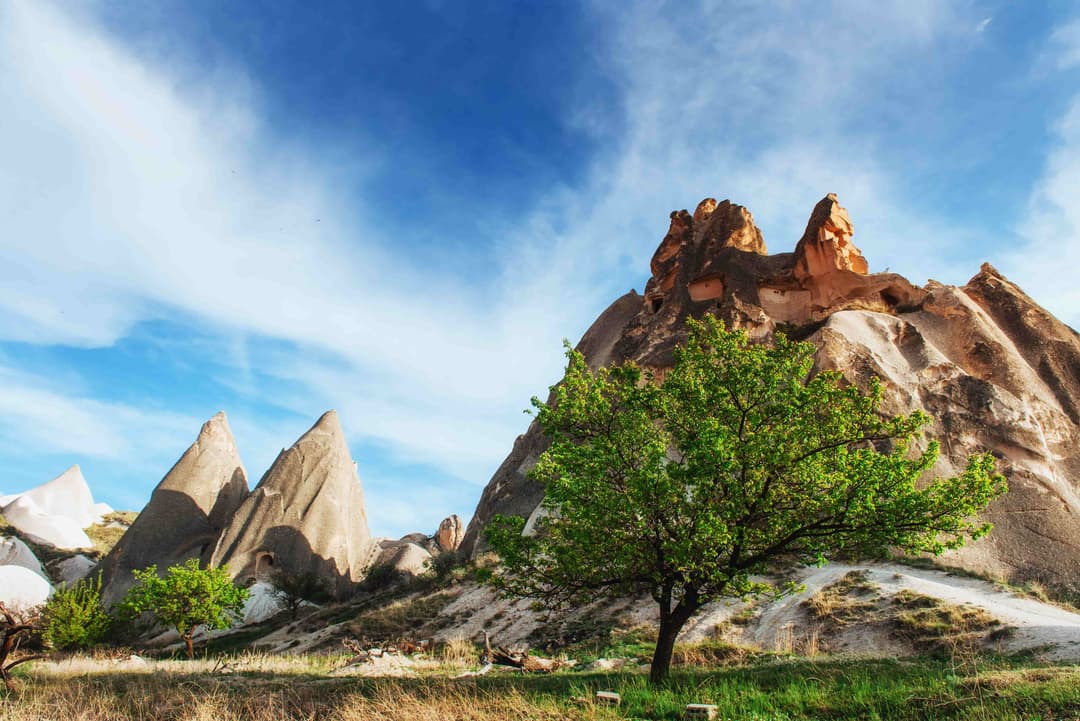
(777, 688)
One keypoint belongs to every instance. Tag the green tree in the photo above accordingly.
(742, 457)
(186, 598)
(294, 589)
(75, 617)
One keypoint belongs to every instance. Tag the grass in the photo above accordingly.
(409, 618)
(260, 688)
(107, 533)
(850, 599)
(936, 626)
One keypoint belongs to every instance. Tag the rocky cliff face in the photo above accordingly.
(186, 513)
(996, 371)
(306, 514)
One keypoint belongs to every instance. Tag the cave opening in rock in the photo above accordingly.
(264, 564)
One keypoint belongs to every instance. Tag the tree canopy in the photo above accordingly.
(690, 488)
(185, 598)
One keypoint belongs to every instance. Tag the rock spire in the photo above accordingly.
(187, 511)
(306, 514)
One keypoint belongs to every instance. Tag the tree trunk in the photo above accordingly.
(671, 622)
(190, 647)
(665, 648)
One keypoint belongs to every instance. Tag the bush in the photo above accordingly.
(74, 618)
(294, 589)
(381, 578)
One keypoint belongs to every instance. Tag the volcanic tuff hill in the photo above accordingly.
(186, 513)
(306, 514)
(995, 371)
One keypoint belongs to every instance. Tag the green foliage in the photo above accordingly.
(382, 577)
(186, 598)
(293, 589)
(106, 534)
(690, 489)
(74, 617)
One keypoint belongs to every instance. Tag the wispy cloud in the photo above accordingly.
(1064, 45)
(1051, 227)
(35, 414)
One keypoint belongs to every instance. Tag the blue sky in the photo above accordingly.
(399, 212)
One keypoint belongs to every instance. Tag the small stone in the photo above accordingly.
(700, 710)
(608, 698)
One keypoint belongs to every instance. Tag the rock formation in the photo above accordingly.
(405, 557)
(306, 514)
(451, 531)
(994, 370)
(14, 552)
(187, 511)
(57, 512)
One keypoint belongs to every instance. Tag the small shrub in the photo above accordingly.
(294, 589)
(74, 618)
(443, 565)
(381, 578)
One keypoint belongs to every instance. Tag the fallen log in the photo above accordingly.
(519, 658)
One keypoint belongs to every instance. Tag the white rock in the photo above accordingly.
(14, 552)
(56, 530)
(405, 557)
(74, 569)
(56, 512)
(262, 603)
(66, 495)
(22, 589)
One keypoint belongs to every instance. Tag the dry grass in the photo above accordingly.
(459, 652)
(160, 697)
(934, 625)
(711, 654)
(410, 618)
(253, 687)
(851, 599)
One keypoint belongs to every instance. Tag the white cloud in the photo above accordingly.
(36, 414)
(124, 197)
(1064, 45)
(1052, 226)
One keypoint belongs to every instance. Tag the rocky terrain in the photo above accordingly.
(994, 370)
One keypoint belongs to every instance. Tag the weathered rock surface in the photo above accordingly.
(55, 513)
(72, 569)
(187, 511)
(451, 531)
(22, 589)
(995, 370)
(411, 558)
(306, 514)
(14, 552)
